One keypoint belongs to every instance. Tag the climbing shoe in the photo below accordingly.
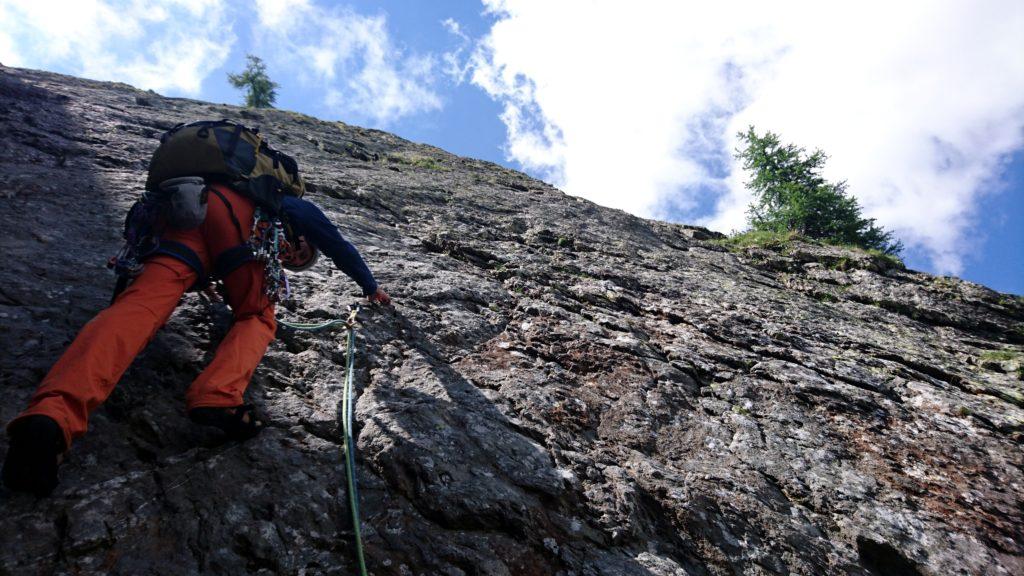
(37, 442)
(238, 422)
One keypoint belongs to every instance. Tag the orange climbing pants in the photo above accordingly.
(89, 369)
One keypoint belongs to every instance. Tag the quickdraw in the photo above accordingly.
(268, 242)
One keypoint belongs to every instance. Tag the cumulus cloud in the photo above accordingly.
(636, 106)
(170, 45)
(348, 57)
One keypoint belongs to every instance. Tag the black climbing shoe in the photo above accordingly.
(238, 422)
(37, 442)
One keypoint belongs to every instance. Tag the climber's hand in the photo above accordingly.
(379, 297)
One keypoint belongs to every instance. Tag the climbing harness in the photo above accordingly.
(268, 243)
(141, 233)
(347, 405)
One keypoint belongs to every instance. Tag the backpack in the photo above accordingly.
(208, 151)
(230, 152)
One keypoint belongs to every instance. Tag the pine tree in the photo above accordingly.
(261, 91)
(790, 195)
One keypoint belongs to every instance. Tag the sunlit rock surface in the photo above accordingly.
(560, 388)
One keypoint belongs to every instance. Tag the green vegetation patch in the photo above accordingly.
(759, 239)
(891, 260)
(824, 297)
(780, 241)
(424, 162)
(783, 242)
(1010, 361)
(999, 355)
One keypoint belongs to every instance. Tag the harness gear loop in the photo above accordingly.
(267, 241)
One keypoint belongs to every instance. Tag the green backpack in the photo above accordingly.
(230, 152)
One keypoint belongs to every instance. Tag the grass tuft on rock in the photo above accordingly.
(424, 162)
(781, 241)
(999, 355)
(759, 239)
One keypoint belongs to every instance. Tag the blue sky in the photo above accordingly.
(633, 106)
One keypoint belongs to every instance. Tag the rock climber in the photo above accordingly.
(87, 372)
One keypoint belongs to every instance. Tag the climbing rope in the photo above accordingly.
(350, 451)
(347, 406)
(311, 327)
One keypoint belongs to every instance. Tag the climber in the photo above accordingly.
(89, 369)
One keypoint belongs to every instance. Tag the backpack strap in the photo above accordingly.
(233, 258)
(231, 213)
(236, 134)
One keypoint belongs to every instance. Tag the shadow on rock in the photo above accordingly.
(455, 460)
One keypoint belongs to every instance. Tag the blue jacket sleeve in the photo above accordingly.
(309, 221)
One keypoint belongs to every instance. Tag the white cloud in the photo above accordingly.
(277, 13)
(455, 64)
(348, 57)
(453, 26)
(9, 54)
(171, 45)
(636, 106)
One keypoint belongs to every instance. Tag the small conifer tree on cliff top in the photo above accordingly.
(790, 195)
(261, 91)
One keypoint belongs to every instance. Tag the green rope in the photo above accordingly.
(350, 452)
(311, 327)
(346, 420)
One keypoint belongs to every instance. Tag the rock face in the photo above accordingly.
(560, 388)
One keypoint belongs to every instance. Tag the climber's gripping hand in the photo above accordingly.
(379, 297)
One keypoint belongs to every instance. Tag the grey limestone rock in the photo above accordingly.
(560, 388)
